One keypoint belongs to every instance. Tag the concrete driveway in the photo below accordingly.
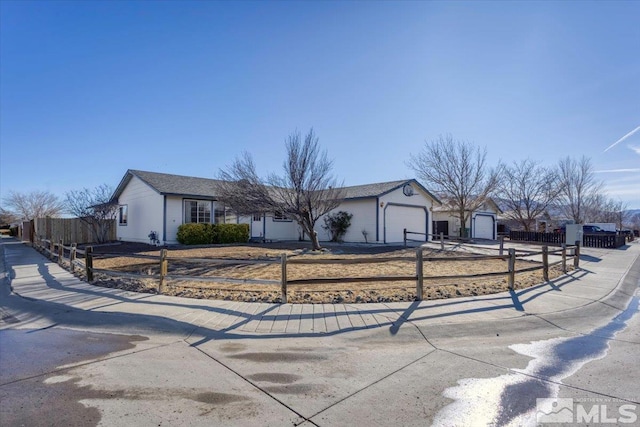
(75, 354)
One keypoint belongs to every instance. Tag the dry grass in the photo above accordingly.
(256, 276)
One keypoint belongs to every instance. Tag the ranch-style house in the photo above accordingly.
(160, 203)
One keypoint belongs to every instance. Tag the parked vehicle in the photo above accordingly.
(586, 229)
(590, 229)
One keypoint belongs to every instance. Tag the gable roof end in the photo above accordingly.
(168, 184)
(382, 188)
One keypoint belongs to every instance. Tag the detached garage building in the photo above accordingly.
(482, 223)
(160, 203)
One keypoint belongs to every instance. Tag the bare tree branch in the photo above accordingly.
(457, 171)
(7, 217)
(527, 190)
(609, 210)
(580, 189)
(95, 208)
(240, 188)
(304, 192)
(37, 204)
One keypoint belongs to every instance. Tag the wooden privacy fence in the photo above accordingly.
(608, 240)
(58, 250)
(599, 240)
(533, 236)
(69, 230)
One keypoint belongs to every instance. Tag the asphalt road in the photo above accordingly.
(65, 365)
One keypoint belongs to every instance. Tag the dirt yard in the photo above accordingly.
(238, 280)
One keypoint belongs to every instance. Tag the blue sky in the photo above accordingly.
(91, 89)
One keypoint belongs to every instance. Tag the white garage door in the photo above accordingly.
(397, 218)
(483, 227)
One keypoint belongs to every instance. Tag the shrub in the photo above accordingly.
(231, 233)
(337, 225)
(206, 234)
(195, 234)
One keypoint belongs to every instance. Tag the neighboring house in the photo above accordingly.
(158, 202)
(481, 224)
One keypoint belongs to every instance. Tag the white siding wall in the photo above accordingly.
(144, 209)
(280, 230)
(364, 218)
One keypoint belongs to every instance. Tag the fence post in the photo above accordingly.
(88, 263)
(501, 245)
(576, 255)
(545, 263)
(61, 252)
(442, 241)
(512, 268)
(419, 276)
(164, 266)
(564, 258)
(404, 232)
(283, 282)
(72, 256)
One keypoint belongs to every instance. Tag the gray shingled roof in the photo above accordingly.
(165, 183)
(371, 190)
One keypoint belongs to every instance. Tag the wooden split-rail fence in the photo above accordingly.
(59, 251)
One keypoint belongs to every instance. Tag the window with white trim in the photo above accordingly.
(224, 215)
(122, 214)
(280, 216)
(198, 211)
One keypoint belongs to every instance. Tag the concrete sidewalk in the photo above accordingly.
(33, 276)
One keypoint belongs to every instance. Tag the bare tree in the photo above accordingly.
(95, 208)
(603, 209)
(580, 189)
(633, 221)
(621, 214)
(527, 190)
(304, 192)
(457, 171)
(7, 217)
(240, 188)
(37, 204)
